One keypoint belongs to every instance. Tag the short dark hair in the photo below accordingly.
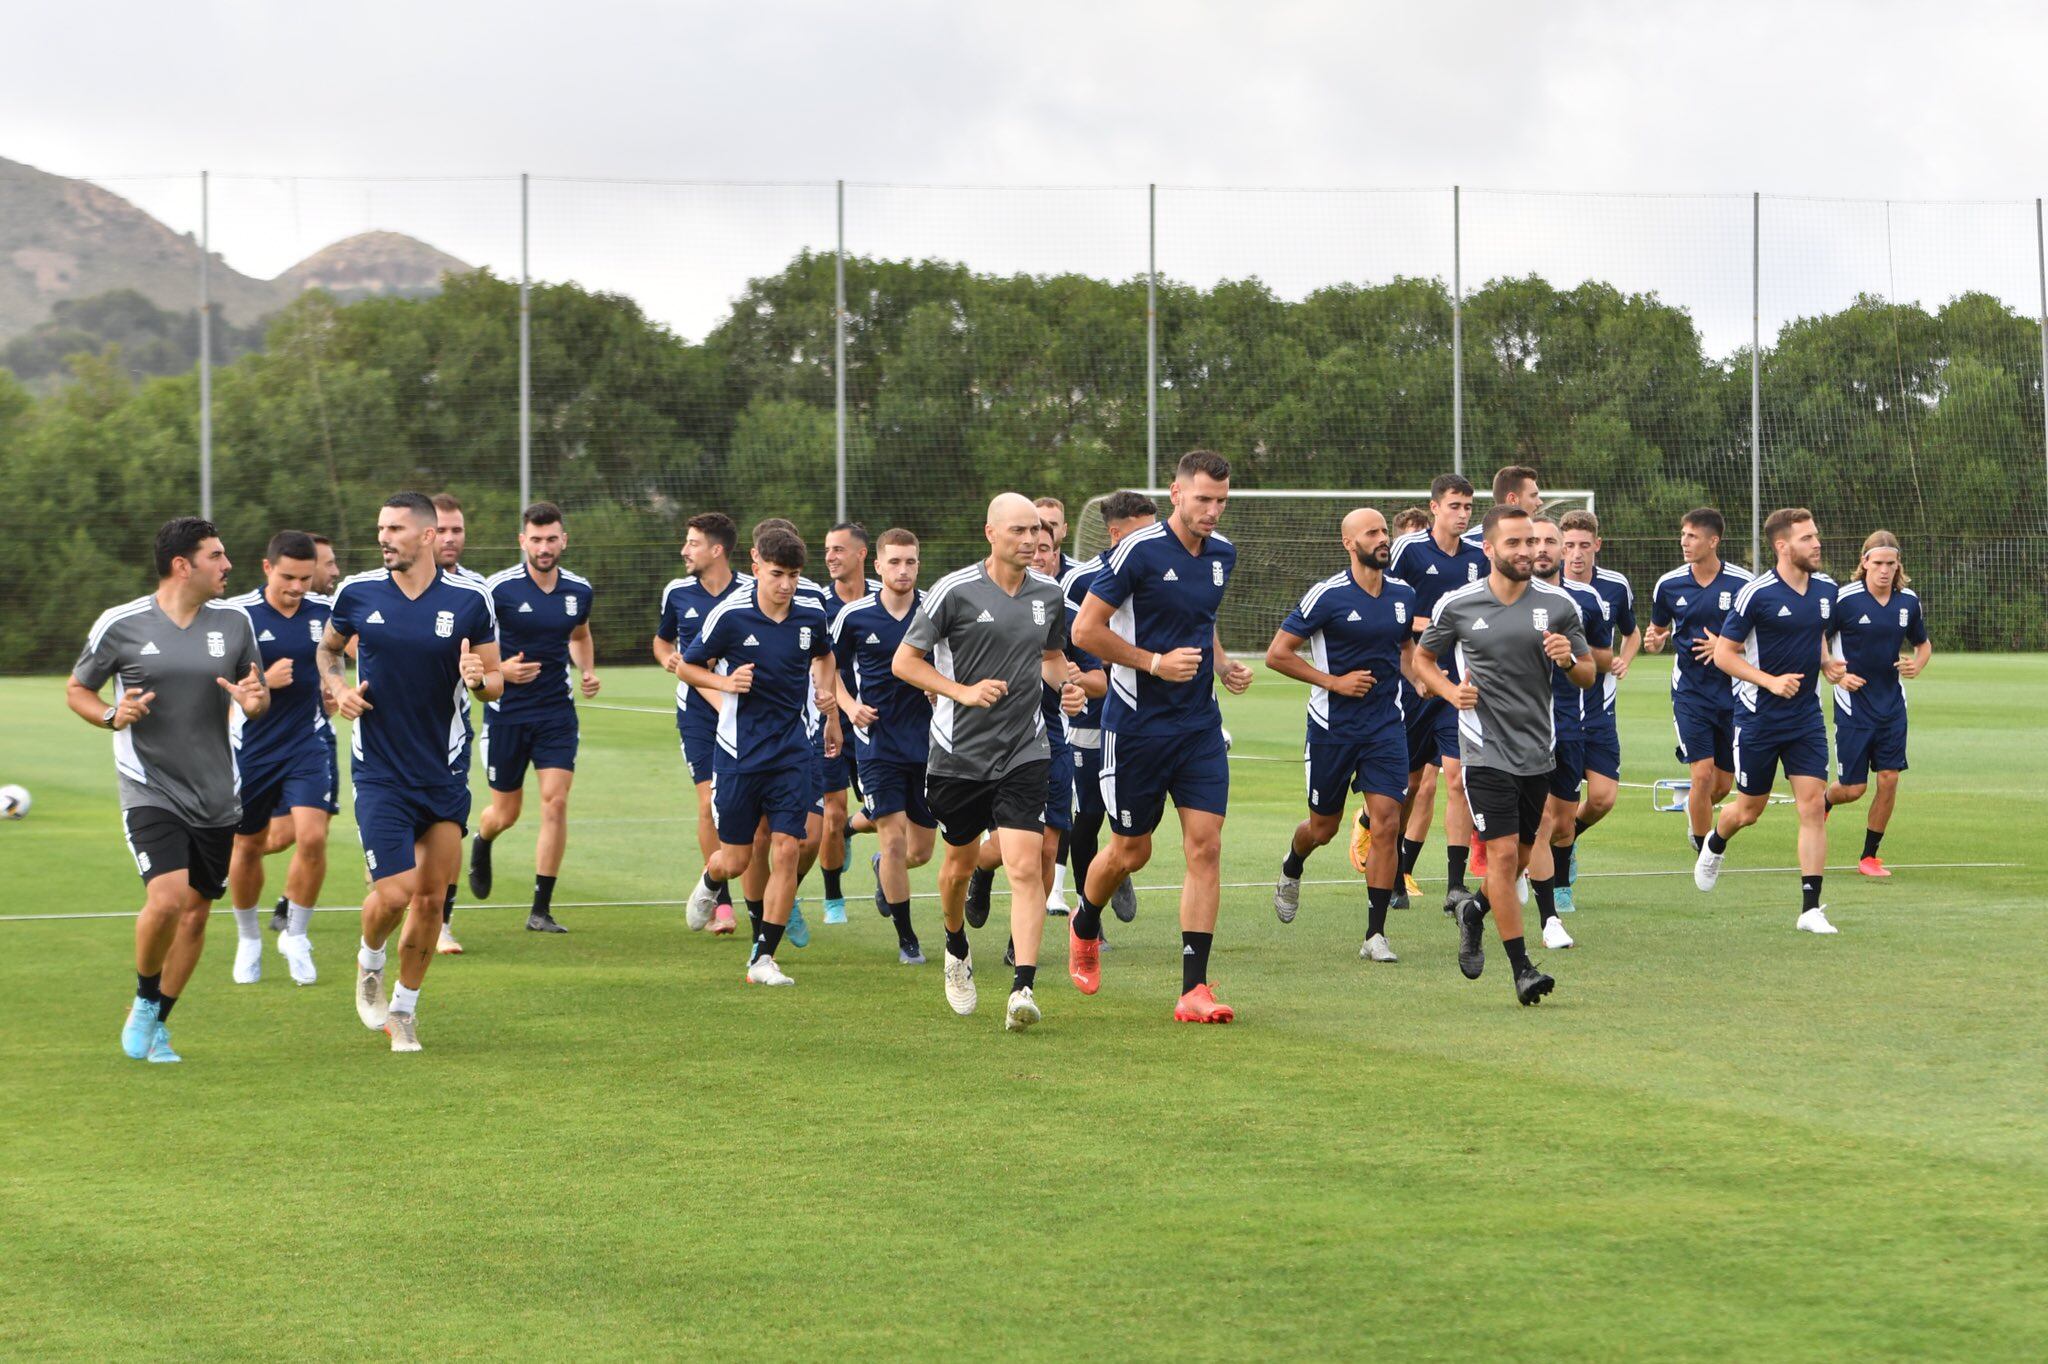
(1206, 462)
(321, 540)
(541, 514)
(1449, 483)
(856, 530)
(291, 544)
(445, 502)
(896, 535)
(762, 527)
(1125, 505)
(180, 538)
(1581, 519)
(1509, 479)
(1780, 522)
(1547, 518)
(716, 527)
(1706, 519)
(1506, 511)
(783, 548)
(419, 504)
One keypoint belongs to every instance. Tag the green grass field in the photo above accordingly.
(1718, 1139)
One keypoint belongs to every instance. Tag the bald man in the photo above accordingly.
(1357, 628)
(998, 630)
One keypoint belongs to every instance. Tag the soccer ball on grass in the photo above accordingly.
(14, 802)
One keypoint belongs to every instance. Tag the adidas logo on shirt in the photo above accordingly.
(873, 639)
(267, 638)
(149, 648)
(1170, 577)
(1784, 610)
(1681, 601)
(1354, 616)
(1431, 570)
(376, 618)
(1479, 624)
(1863, 620)
(984, 616)
(690, 614)
(526, 608)
(752, 643)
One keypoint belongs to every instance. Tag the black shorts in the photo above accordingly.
(162, 842)
(968, 807)
(1503, 803)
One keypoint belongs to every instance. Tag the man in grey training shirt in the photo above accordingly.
(1510, 633)
(178, 659)
(994, 631)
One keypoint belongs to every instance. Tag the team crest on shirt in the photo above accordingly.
(1400, 613)
(570, 606)
(1902, 617)
(1038, 613)
(216, 644)
(1826, 608)
(444, 623)
(1540, 617)
(1216, 571)
(803, 637)
(1726, 599)
(1606, 609)
(313, 629)
(1471, 573)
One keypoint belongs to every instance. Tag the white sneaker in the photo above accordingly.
(297, 951)
(1554, 936)
(404, 1032)
(371, 1006)
(248, 960)
(1815, 921)
(1377, 948)
(702, 905)
(1707, 869)
(1023, 1011)
(1286, 897)
(1056, 903)
(446, 946)
(764, 971)
(960, 991)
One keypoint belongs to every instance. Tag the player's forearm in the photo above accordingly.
(583, 651)
(1728, 658)
(1111, 648)
(699, 676)
(86, 704)
(1283, 656)
(1094, 684)
(913, 669)
(1603, 662)
(1585, 671)
(1632, 645)
(1052, 670)
(1429, 679)
(333, 670)
(825, 683)
(1222, 654)
(664, 651)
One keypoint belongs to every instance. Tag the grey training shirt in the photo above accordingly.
(973, 631)
(1499, 649)
(176, 757)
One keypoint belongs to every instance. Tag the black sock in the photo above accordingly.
(956, 943)
(543, 894)
(1026, 977)
(1546, 898)
(1809, 893)
(1871, 838)
(1194, 959)
(1827, 807)
(1716, 844)
(1291, 864)
(1518, 955)
(1376, 915)
(1087, 920)
(163, 1007)
(1411, 848)
(1579, 826)
(1696, 841)
(832, 891)
(724, 891)
(1454, 859)
(1059, 857)
(899, 912)
(448, 906)
(766, 939)
(150, 988)
(1082, 845)
(754, 908)
(1364, 817)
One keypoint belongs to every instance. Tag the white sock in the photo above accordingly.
(249, 925)
(370, 958)
(1059, 879)
(404, 1001)
(299, 918)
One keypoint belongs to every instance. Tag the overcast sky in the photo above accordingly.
(1873, 100)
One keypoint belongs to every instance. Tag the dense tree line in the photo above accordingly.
(960, 384)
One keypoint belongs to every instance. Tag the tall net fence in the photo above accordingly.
(680, 350)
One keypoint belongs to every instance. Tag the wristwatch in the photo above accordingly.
(107, 720)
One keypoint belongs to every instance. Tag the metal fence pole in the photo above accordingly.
(2041, 262)
(1457, 333)
(205, 349)
(839, 358)
(525, 356)
(1756, 381)
(1152, 336)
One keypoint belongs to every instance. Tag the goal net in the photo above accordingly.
(1287, 539)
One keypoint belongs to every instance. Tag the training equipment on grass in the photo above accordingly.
(14, 801)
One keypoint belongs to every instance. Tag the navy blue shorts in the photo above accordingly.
(816, 776)
(839, 771)
(1705, 730)
(697, 727)
(391, 820)
(1377, 766)
(780, 795)
(1447, 745)
(300, 780)
(1059, 789)
(888, 788)
(1801, 748)
(1570, 772)
(1139, 773)
(1088, 781)
(1862, 744)
(1603, 750)
(511, 746)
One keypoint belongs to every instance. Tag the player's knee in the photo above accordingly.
(1845, 793)
(1322, 828)
(1887, 781)
(554, 808)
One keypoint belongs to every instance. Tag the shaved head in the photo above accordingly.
(1012, 529)
(1012, 507)
(1357, 522)
(1365, 535)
